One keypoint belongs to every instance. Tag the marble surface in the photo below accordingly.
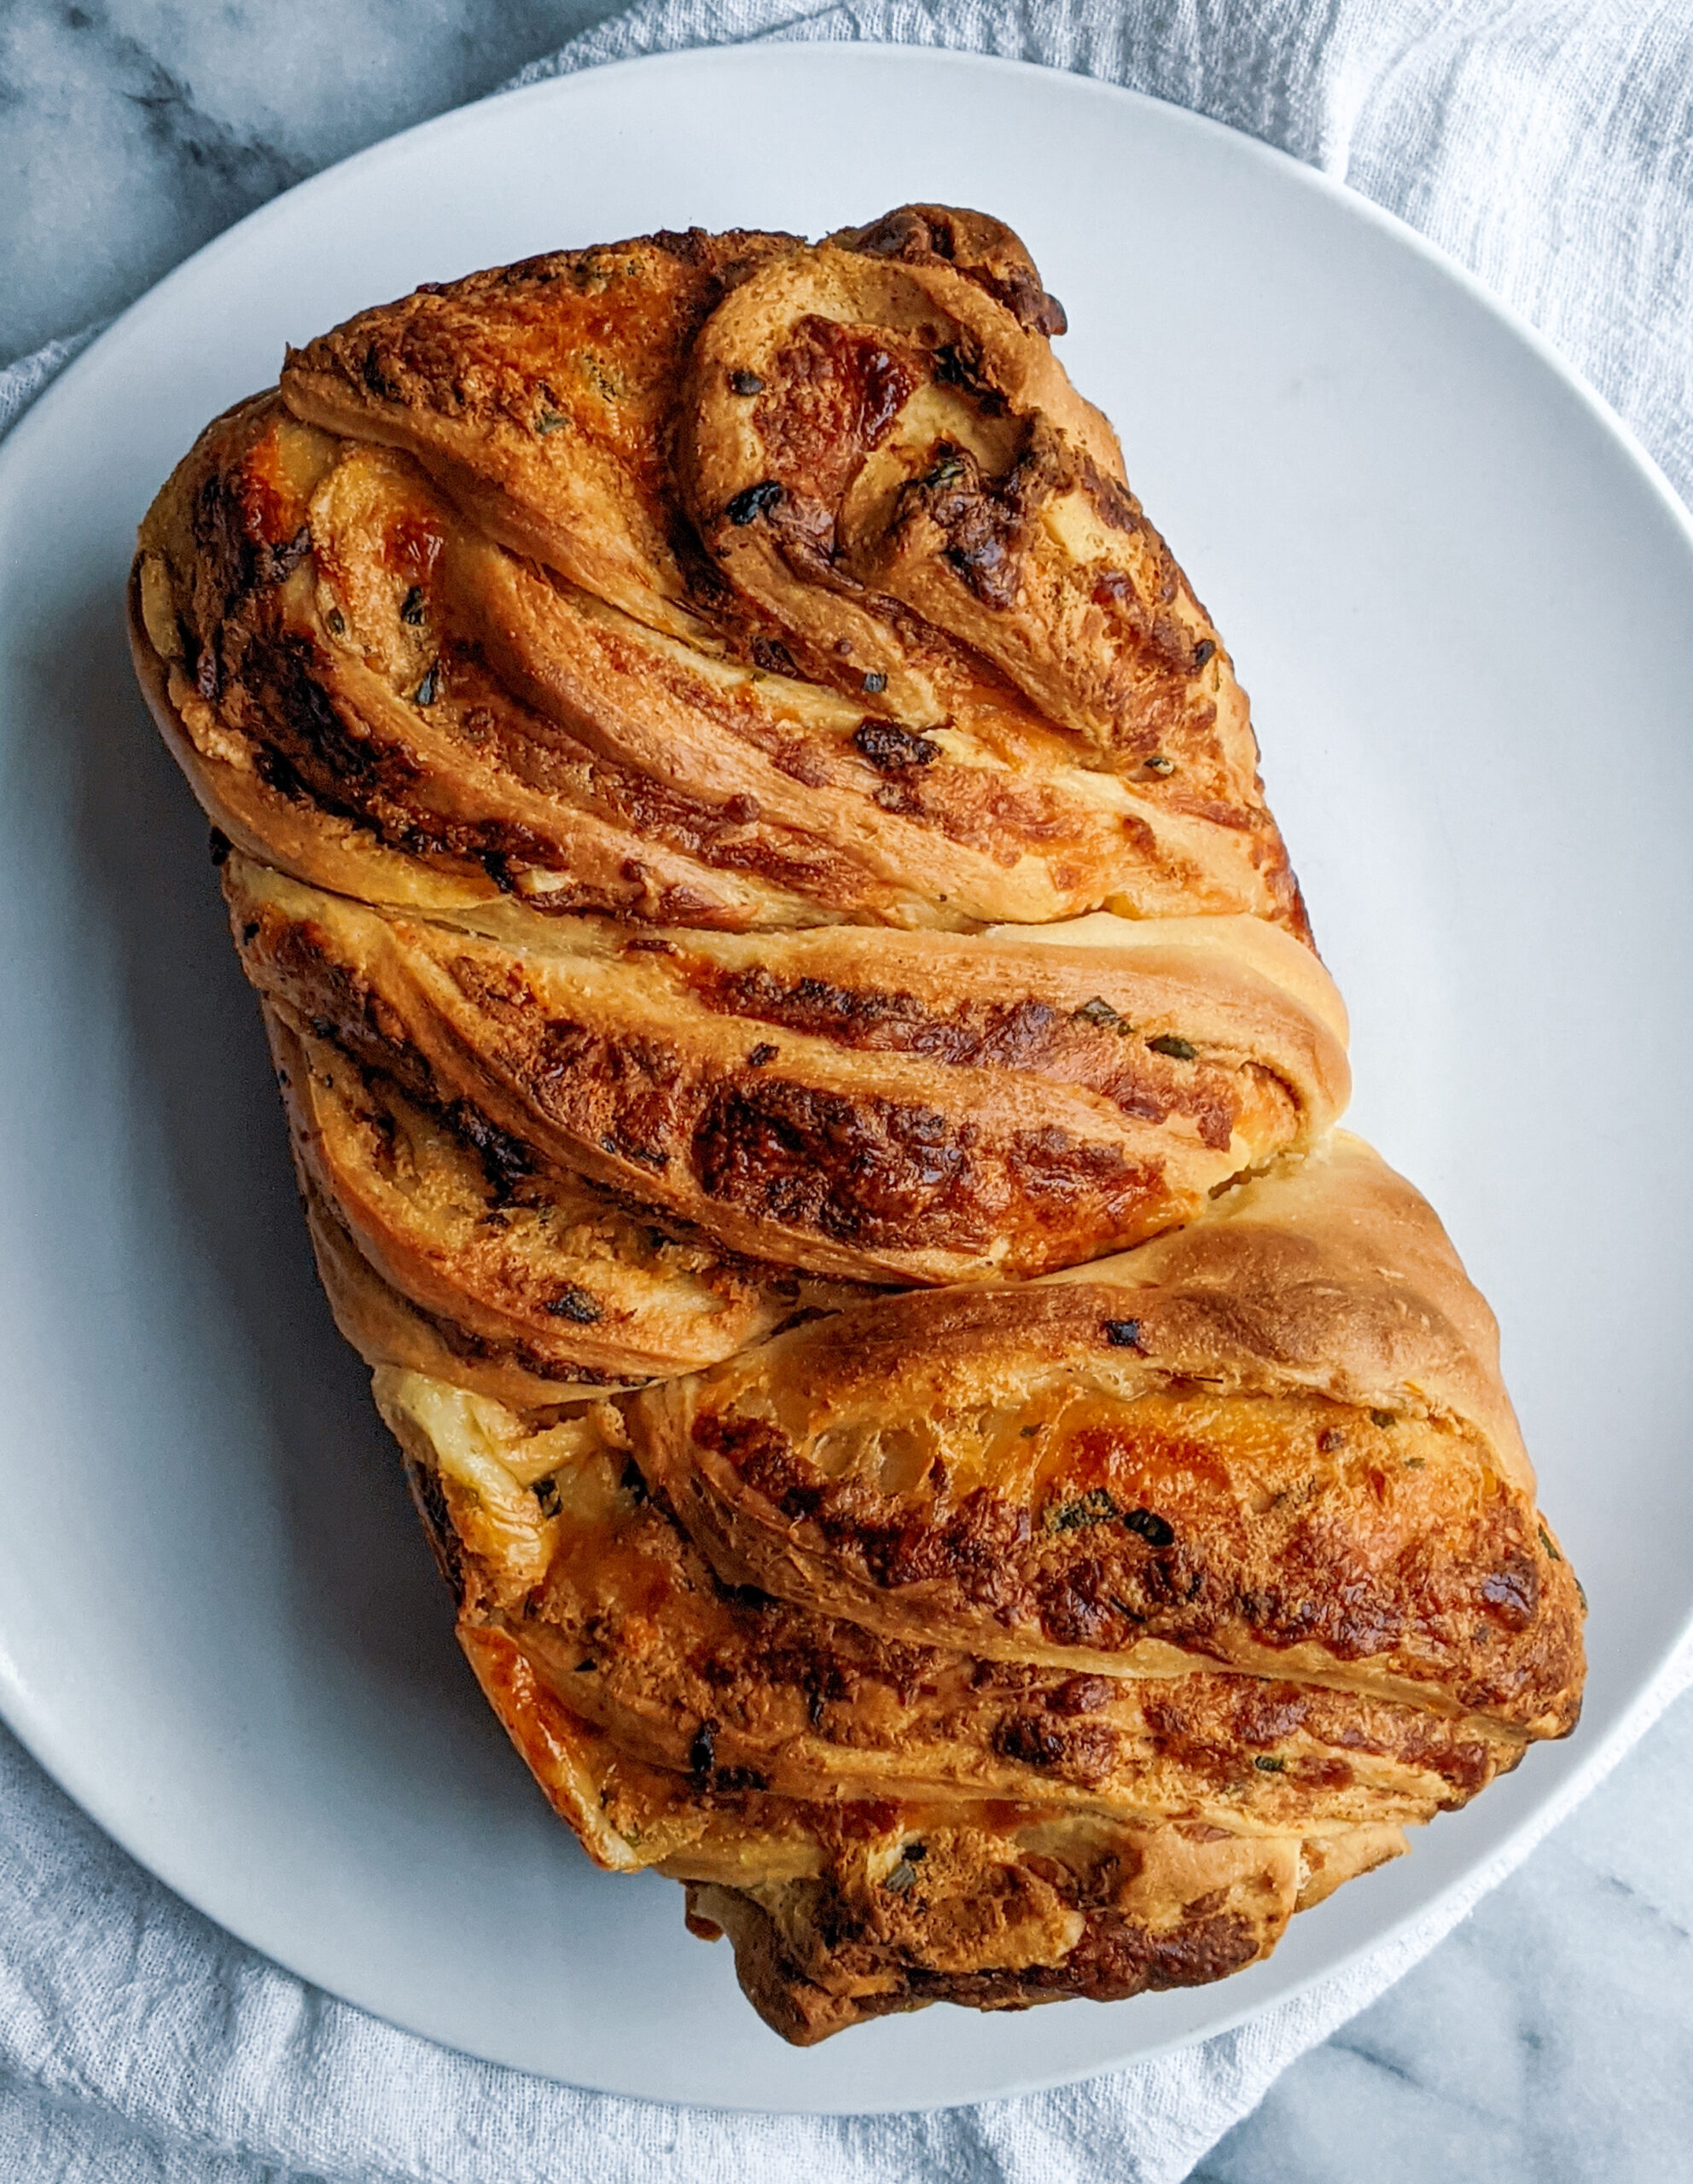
(1552, 2037)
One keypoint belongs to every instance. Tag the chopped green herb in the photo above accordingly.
(1099, 1012)
(948, 470)
(1177, 1049)
(430, 684)
(1384, 1419)
(411, 606)
(1546, 1541)
(1152, 1528)
(337, 623)
(1121, 1334)
(745, 383)
(1266, 1764)
(1202, 651)
(604, 382)
(1158, 765)
(550, 421)
(1094, 1507)
(901, 1878)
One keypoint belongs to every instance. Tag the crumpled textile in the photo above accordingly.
(1548, 145)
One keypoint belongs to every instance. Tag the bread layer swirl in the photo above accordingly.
(870, 1106)
(1277, 1441)
(478, 609)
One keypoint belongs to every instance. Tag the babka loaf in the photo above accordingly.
(813, 1092)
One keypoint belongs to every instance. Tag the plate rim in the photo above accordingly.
(1649, 1696)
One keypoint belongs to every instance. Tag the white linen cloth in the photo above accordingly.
(1548, 144)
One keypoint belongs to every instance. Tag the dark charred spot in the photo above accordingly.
(376, 378)
(961, 366)
(443, 1536)
(987, 524)
(1084, 1750)
(411, 606)
(981, 249)
(315, 742)
(1121, 1334)
(763, 1053)
(702, 1751)
(866, 1170)
(506, 1161)
(1512, 1593)
(1151, 1527)
(754, 501)
(644, 1156)
(738, 1778)
(574, 1304)
(1081, 1694)
(219, 846)
(891, 748)
(689, 246)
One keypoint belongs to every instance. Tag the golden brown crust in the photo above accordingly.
(1336, 1273)
(468, 495)
(630, 1629)
(532, 1280)
(838, 1912)
(874, 1106)
(1271, 1449)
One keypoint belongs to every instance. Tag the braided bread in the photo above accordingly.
(814, 1095)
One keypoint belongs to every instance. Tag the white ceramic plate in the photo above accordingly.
(1463, 602)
